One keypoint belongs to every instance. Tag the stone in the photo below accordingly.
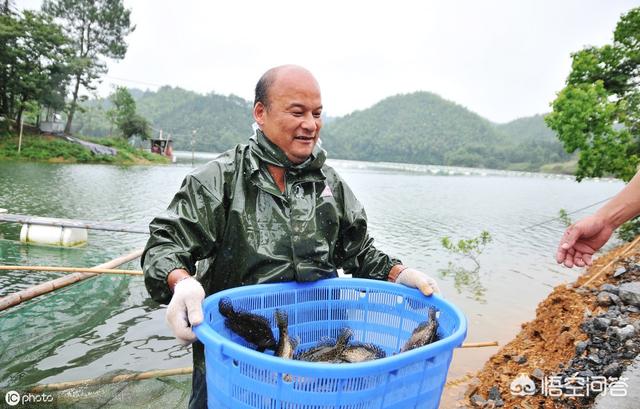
(581, 347)
(586, 374)
(538, 374)
(494, 395)
(601, 323)
(619, 271)
(621, 334)
(612, 370)
(610, 288)
(626, 332)
(606, 298)
(520, 359)
(478, 400)
(630, 293)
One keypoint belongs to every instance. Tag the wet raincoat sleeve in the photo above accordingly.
(360, 257)
(185, 233)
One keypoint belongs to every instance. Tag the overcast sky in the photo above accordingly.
(501, 59)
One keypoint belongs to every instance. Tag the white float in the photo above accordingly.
(53, 235)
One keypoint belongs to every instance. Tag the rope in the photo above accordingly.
(572, 212)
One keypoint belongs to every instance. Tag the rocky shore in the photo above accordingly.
(584, 336)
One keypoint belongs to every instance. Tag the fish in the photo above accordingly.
(286, 345)
(253, 328)
(361, 352)
(327, 350)
(424, 334)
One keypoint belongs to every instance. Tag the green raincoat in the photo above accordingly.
(231, 217)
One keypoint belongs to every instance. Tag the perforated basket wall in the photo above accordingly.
(378, 312)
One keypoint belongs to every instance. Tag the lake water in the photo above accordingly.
(108, 324)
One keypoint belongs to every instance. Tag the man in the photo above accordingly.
(588, 235)
(269, 211)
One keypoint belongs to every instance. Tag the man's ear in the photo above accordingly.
(258, 113)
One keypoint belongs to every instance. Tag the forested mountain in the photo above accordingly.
(420, 127)
(532, 135)
(220, 121)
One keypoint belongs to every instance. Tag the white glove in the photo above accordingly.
(185, 309)
(417, 279)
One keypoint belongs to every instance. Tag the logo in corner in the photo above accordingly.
(523, 386)
(12, 398)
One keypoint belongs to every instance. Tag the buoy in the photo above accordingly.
(53, 235)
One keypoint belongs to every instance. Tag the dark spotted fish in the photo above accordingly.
(424, 334)
(253, 328)
(286, 345)
(361, 352)
(327, 350)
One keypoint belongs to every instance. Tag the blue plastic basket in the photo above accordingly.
(378, 312)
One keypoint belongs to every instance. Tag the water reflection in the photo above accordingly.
(465, 281)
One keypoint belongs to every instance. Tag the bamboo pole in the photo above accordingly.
(73, 269)
(480, 344)
(614, 260)
(114, 379)
(160, 373)
(79, 224)
(37, 290)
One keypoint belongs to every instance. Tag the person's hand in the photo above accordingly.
(417, 279)
(581, 240)
(185, 309)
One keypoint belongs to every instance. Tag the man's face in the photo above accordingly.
(293, 119)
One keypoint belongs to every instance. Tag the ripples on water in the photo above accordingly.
(109, 323)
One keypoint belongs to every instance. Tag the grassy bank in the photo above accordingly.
(46, 148)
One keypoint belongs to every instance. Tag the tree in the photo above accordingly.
(598, 111)
(33, 63)
(97, 29)
(124, 106)
(135, 125)
(124, 116)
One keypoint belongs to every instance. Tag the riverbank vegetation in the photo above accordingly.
(48, 148)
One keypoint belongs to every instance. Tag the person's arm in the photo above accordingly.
(624, 206)
(583, 238)
(185, 233)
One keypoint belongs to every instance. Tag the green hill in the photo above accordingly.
(538, 143)
(221, 121)
(420, 127)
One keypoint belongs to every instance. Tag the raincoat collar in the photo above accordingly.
(263, 150)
